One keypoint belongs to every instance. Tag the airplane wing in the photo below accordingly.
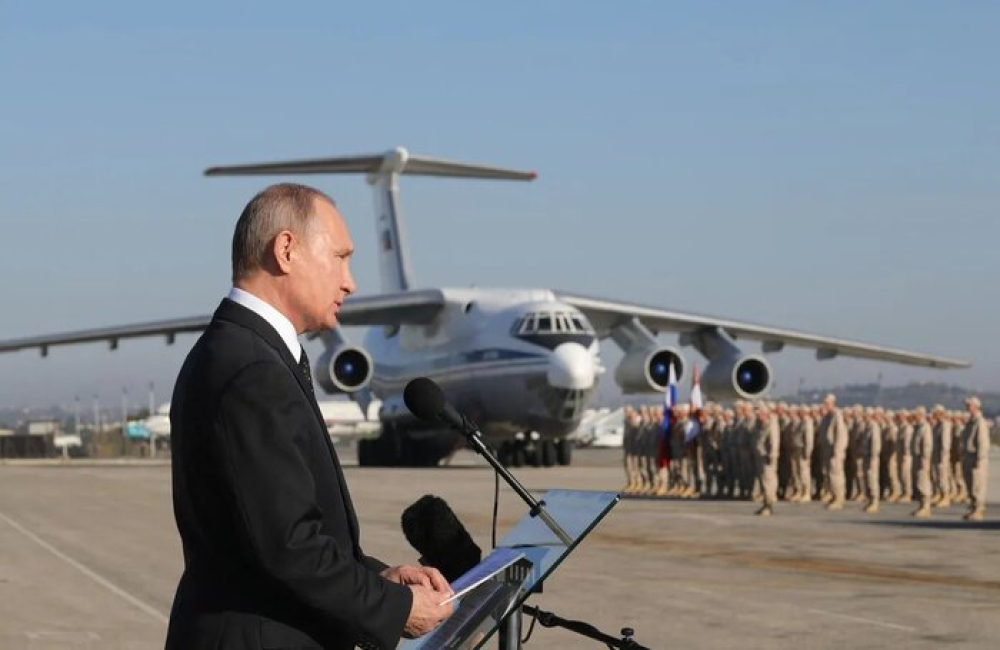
(387, 309)
(167, 328)
(406, 307)
(605, 315)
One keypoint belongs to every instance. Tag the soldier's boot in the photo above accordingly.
(661, 482)
(835, 505)
(906, 498)
(871, 508)
(974, 515)
(765, 511)
(944, 502)
(924, 511)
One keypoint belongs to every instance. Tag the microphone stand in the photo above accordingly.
(536, 508)
(510, 634)
(548, 619)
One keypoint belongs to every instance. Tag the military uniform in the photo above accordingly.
(855, 455)
(767, 449)
(904, 454)
(960, 492)
(711, 445)
(807, 433)
(941, 459)
(923, 451)
(890, 462)
(976, 461)
(730, 459)
(745, 446)
(836, 435)
(871, 447)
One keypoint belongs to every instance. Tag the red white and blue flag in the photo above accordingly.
(697, 400)
(697, 403)
(669, 400)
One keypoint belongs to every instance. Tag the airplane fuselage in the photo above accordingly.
(513, 360)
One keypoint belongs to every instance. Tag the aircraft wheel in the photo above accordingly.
(365, 453)
(548, 452)
(564, 452)
(517, 456)
(504, 453)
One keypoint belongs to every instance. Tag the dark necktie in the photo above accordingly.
(305, 367)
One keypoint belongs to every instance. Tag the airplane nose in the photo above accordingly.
(571, 366)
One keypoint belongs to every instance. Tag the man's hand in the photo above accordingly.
(426, 612)
(424, 576)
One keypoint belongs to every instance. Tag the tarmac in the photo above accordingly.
(90, 559)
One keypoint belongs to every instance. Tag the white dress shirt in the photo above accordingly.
(275, 318)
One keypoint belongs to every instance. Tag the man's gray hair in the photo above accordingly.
(285, 206)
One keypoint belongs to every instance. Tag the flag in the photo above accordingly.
(697, 401)
(693, 427)
(669, 400)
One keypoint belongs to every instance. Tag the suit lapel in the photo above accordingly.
(240, 315)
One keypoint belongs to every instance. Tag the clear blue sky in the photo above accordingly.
(829, 166)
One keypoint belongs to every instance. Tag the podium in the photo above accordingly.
(496, 603)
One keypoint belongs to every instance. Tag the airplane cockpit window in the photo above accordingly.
(549, 329)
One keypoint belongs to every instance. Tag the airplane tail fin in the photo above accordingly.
(383, 172)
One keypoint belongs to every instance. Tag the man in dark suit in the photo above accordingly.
(271, 543)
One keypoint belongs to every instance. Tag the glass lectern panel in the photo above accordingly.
(481, 611)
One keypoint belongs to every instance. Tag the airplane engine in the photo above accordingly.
(344, 369)
(743, 377)
(647, 370)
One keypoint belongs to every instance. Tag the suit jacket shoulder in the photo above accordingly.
(261, 503)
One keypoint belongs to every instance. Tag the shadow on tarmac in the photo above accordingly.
(941, 525)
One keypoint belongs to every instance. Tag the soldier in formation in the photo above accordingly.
(769, 452)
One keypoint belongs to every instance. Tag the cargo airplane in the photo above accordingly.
(522, 363)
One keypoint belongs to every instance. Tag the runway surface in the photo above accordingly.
(91, 557)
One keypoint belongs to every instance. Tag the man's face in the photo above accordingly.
(323, 275)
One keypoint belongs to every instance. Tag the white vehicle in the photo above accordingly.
(158, 423)
(601, 428)
(514, 360)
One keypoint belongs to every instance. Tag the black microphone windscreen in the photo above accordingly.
(424, 398)
(433, 529)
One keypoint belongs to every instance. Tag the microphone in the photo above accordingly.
(426, 400)
(433, 529)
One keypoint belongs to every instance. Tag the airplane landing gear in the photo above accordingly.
(535, 453)
(397, 448)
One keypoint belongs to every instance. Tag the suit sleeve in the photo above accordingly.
(262, 423)
(378, 566)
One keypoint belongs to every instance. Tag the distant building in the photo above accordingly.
(35, 439)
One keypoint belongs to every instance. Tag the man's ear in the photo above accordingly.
(283, 249)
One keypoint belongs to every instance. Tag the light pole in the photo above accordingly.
(152, 435)
(124, 418)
